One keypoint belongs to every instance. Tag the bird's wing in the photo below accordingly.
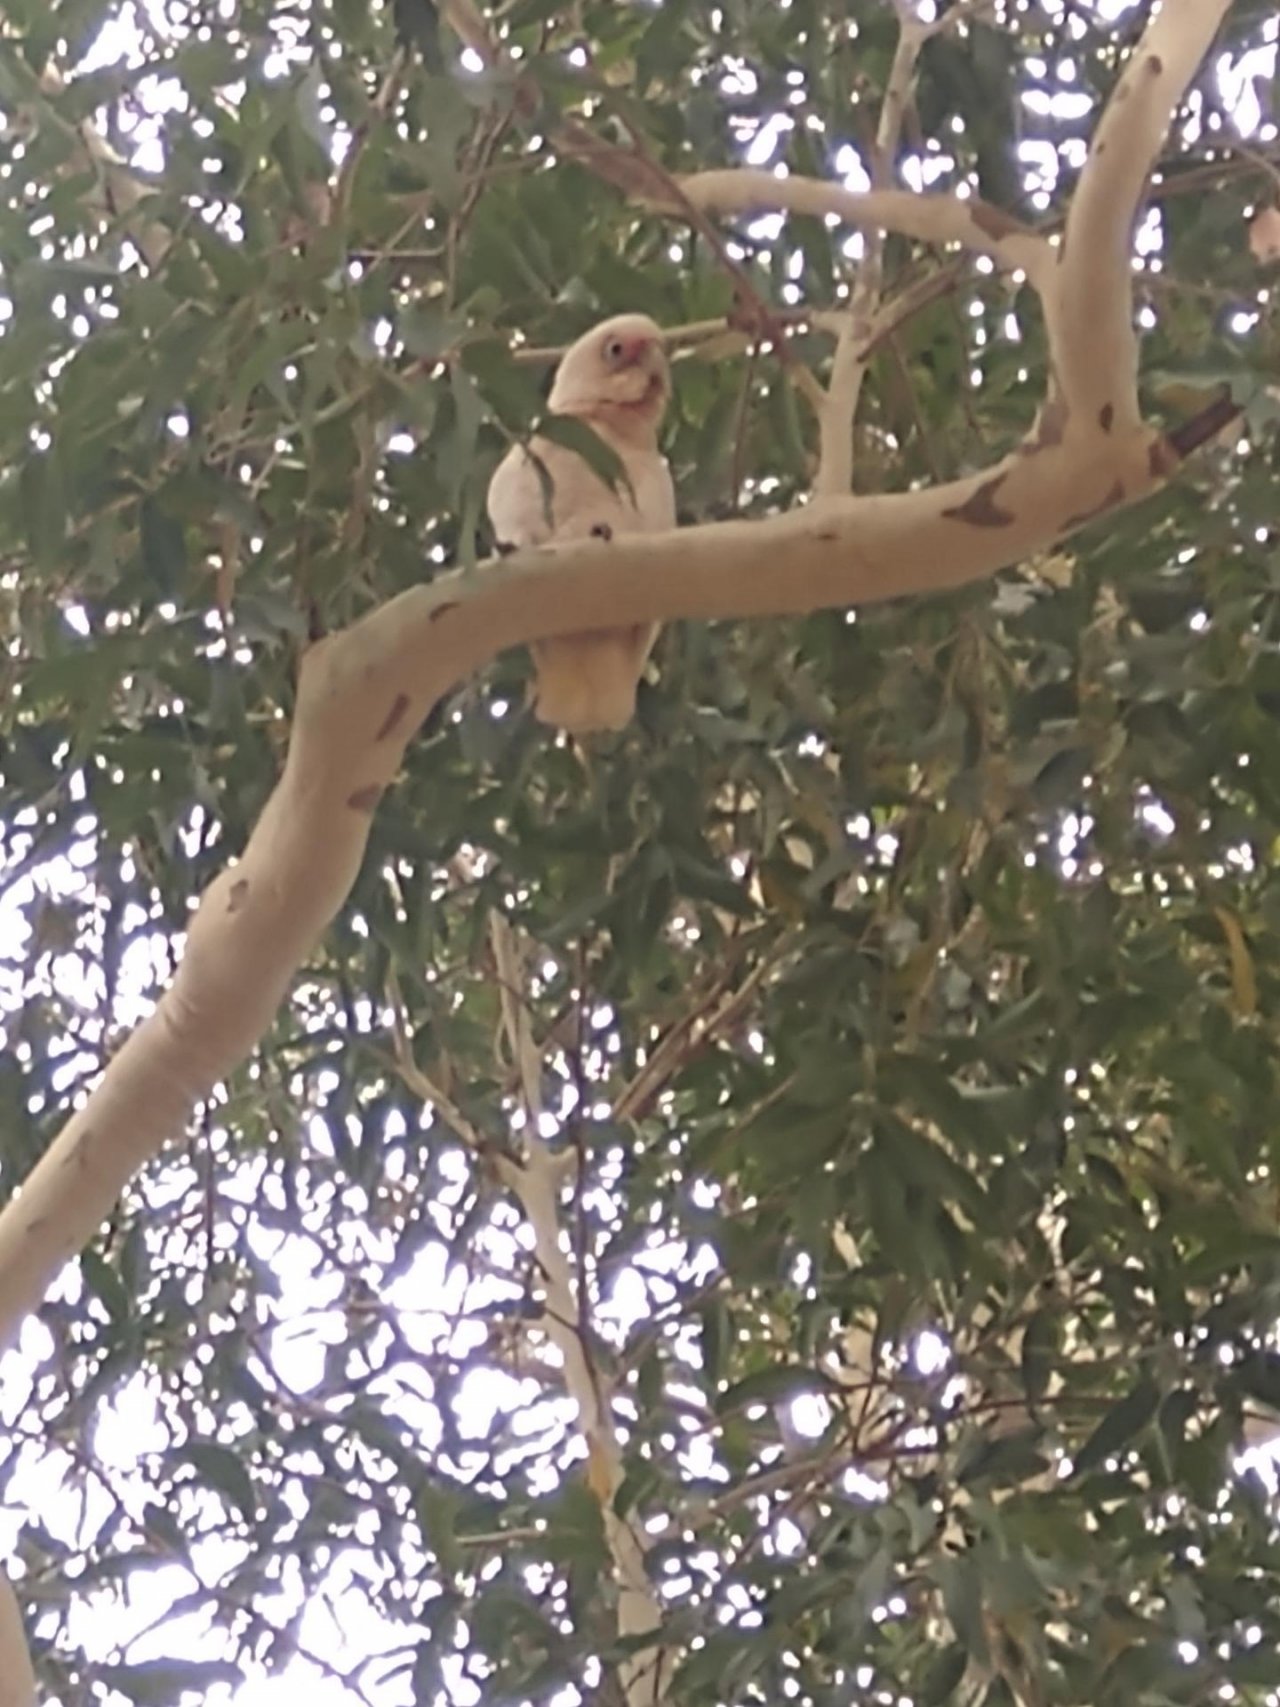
(655, 492)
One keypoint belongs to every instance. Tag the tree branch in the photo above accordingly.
(853, 349)
(363, 693)
(929, 218)
(1093, 348)
(535, 1180)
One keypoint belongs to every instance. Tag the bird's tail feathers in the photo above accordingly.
(588, 682)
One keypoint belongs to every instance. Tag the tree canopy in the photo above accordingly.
(776, 1205)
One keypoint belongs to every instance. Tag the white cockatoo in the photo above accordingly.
(616, 379)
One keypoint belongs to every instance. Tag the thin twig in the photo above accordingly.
(536, 1183)
(849, 366)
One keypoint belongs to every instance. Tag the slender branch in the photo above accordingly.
(724, 326)
(705, 1021)
(853, 353)
(525, 1053)
(929, 218)
(1214, 418)
(536, 1180)
(1092, 344)
(421, 1083)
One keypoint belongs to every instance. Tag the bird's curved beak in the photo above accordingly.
(651, 360)
(643, 369)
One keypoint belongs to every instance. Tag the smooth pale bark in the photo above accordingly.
(1092, 342)
(930, 218)
(364, 692)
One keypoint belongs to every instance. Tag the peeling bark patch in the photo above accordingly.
(981, 510)
(443, 610)
(399, 705)
(365, 799)
(992, 221)
(1106, 417)
(1113, 497)
(239, 894)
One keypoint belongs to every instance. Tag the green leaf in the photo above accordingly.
(1004, 1460)
(1041, 1345)
(581, 437)
(224, 1470)
(943, 1676)
(161, 1683)
(103, 1281)
(961, 1584)
(1119, 1426)
(774, 1386)
(1258, 1376)
(42, 495)
(164, 546)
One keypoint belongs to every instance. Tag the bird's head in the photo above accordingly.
(619, 368)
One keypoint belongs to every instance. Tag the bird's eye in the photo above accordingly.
(613, 351)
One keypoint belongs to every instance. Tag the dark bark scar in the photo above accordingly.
(239, 894)
(443, 610)
(1155, 65)
(602, 530)
(365, 799)
(399, 705)
(981, 510)
(1106, 417)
